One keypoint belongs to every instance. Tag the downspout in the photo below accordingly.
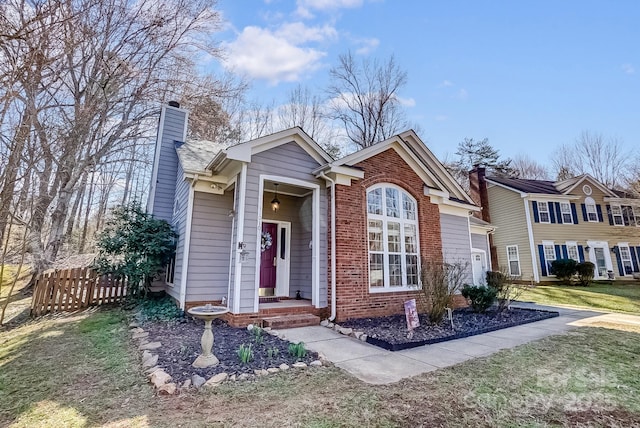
(333, 245)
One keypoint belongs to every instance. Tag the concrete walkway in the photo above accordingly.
(378, 366)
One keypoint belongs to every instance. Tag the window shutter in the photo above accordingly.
(616, 251)
(543, 264)
(565, 253)
(599, 209)
(634, 259)
(552, 211)
(609, 214)
(536, 217)
(558, 252)
(574, 213)
(584, 212)
(558, 212)
(581, 253)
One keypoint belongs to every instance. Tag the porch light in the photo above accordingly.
(275, 202)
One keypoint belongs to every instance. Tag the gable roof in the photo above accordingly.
(243, 151)
(195, 155)
(546, 187)
(416, 154)
(526, 186)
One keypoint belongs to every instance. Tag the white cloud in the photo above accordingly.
(407, 102)
(306, 6)
(441, 118)
(300, 33)
(367, 46)
(628, 68)
(462, 94)
(445, 84)
(277, 55)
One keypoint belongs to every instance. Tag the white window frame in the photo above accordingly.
(573, 245)
(386, 287)
(636, 214)
(564, 213)
(590, 206)
(623, 260)
(517, 259)
(170, 270)
(546, 245)
(547, 211)
(617, 215)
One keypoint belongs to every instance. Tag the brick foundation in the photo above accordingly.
(352, 266)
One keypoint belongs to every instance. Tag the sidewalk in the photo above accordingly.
(375, 365)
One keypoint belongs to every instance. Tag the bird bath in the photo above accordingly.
(207, 313)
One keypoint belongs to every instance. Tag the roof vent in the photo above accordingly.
(174, 104)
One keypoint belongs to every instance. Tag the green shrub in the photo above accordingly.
(297, 350)
(585, 272)
(272, 352)
(245, 353)
(481, 298)
(563, 269)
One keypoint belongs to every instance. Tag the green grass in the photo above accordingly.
(615, 297)
(82, 371)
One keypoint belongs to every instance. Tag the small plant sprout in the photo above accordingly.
(297, 350)
(272, 352)
(258, 335)
(245, 353)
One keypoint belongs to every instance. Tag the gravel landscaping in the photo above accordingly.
(391, 332)
(181, 345)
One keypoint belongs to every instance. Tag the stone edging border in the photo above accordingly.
(408, 345)
(161, 380)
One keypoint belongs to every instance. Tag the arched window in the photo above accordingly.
(392, 225)
(590, 207)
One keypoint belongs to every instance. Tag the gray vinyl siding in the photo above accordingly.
(292, 161)
(479, 241)
(455, 240)
(164, 188)
(179, 222)
(208, 275)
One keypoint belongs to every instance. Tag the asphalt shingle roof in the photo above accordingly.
(527, 186)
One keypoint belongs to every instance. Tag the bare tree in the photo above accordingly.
(603, 158)
(525, 167)
(364, 98)
(80, 84)
(310, 113)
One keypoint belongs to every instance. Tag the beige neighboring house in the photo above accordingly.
(540, 221)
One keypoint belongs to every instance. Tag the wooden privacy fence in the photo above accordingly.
(73, 289)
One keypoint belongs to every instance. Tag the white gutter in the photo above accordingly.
(333, 244)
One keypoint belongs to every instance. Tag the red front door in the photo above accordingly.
(268, 257)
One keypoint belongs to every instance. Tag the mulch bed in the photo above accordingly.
(391, 332)
(181, 345)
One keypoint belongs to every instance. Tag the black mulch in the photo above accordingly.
(181, 345)
(391, 332)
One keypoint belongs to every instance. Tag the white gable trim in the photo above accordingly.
(244, 151)
(593, 181)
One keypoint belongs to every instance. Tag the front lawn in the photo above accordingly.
(607, 296)
(82, 371)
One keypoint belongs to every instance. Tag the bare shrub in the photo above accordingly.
(505, 286)
(440, 282)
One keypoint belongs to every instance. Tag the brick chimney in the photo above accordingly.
(478, 191)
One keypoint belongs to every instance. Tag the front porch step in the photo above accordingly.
(291, 321)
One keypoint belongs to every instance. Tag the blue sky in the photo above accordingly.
(528, 75)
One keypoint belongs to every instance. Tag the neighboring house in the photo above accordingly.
(540, 221)
(275, 226)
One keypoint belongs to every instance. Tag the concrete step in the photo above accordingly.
(291, 321)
